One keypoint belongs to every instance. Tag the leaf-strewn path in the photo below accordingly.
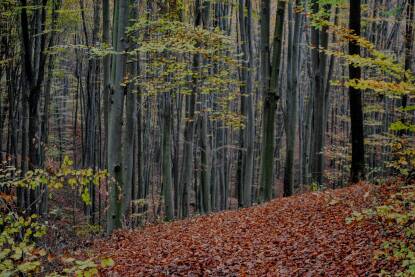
(303, 235)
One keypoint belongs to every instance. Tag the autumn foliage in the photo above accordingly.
(305, 235)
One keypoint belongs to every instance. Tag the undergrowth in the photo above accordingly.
(21, 231)
(395, 214)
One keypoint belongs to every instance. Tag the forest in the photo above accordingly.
(207, 138)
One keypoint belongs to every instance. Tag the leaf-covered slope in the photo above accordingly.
(304, 235)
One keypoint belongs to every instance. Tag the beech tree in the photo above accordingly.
(246, 170)
(270, 69)
(115, 115)
(293, 53)
(355, 99)
(170, 109)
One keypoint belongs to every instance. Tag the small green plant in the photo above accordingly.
(360, 216)
(65, 175)
(403, 150)
(19, 232)
(314, 186)
(19, 254)
(397, 217)
(87, 268)
(85, 230)
(398, 250)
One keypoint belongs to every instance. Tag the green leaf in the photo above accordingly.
(18, 253)
(108, 262)
(28, 267)
(68, 260)
(4, 253)
(85, 264)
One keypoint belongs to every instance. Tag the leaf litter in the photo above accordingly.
(303, 235)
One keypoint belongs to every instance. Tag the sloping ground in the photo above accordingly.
(304, 235)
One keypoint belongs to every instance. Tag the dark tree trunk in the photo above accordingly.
(408, 44)
(355, 100)
(34, 76)
(270, 77)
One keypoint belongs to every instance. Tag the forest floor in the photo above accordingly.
(304, 235)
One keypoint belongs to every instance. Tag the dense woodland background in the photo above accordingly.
(119, 113)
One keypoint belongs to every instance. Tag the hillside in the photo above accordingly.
(303, 235)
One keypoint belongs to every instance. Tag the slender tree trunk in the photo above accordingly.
(186, 176)
(408, 44)
(34, 76)
(355, 101)
(128, 145)
(205, 163)
(115, 118)
(166, 156)
(106, 73)
(203, 8)
(270, 86)
(293, 72)
(90, 98)
(318, 60)
(130, 125)
(248, 133)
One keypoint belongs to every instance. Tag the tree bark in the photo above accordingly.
(167, 178)
(34, 67)
(115, 118)
(292, 98)
(408, 45)
(247, 110)
(270, 86)
(357, 172)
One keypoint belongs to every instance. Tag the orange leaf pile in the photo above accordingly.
(304, 235)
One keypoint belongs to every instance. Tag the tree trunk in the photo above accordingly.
(408, 44)
(318, 61)
(355, 101)
(247, 110)
(205, 163)
(106, 73)
(270, 86)
(34, 76)
(293, 73)
(115, 118)
(186, 176)
(167, 178)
